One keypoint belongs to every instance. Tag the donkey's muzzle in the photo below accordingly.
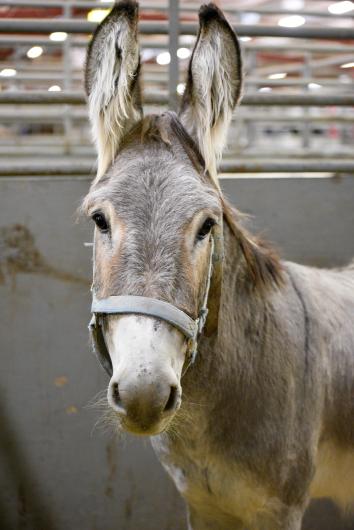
(144, 405)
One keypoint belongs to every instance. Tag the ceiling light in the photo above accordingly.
(280, 75)
(341, 7)
(293, 5)
(181, 88)
(163, 58)
(347, 65)
(265, 89)
(8, 72)
(245, 39)
(249, 18)
(183, 53)
(291, 21)
(97, 15)
(314, 86)
(58, 36)
(34, 52)
(54, 88)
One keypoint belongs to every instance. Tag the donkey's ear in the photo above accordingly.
(213, 86)
(112, 80)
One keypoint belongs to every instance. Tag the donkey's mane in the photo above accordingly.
(262, 262)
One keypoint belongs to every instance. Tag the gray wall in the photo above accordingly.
(57, 470)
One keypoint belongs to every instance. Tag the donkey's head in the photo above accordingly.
(157, 209)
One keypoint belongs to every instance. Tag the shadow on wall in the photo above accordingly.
(32, 511)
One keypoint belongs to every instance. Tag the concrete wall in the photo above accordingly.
(58, 471)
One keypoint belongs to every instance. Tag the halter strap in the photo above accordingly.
(141, 305)
(152, 307)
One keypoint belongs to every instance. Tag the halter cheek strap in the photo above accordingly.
(141, 305)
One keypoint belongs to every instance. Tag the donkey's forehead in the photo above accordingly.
(154, 176)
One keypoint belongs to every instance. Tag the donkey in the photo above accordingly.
(238, 365)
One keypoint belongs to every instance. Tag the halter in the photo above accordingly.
(141, 305)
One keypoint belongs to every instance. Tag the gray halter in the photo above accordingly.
(141, 305)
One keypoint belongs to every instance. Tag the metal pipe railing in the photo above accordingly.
(162, 79)
(288, 166)
(54, 115)
(186, 8)
(162, 28)
(65, 98)
(157, 98)
(20, 40)
(74, 167)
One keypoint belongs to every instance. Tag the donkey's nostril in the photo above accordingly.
(115, 395)
(172, 400)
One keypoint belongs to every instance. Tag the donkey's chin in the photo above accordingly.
(141, 429)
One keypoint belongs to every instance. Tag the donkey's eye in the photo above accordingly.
(205, 228)
(100, 221)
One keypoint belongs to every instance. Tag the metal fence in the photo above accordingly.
(324, 105)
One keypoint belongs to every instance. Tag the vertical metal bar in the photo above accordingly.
(251, 127)
(306, 126)
(173, 46)
(68, 125)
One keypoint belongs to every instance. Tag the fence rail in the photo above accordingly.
(24, 25)
(260, 100)
(158, 7)
(62, 167)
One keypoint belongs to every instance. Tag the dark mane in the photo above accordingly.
(263, 263)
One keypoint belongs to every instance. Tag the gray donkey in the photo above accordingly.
(240, 366)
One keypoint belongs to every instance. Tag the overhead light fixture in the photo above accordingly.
(339, 8)
(291, 21)
(183, 53)
(245, 39)
(265, 89)
(314, 86)
(58, 36)
(97, 15)
(293, 5)
(34, 52)
(181, 88)
(280, 75)
(347, 65)
(8, 72)
(249, 18)
(163, 58)
(54, 88)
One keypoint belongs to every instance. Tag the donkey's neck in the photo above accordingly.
(236, 366)
(242, 320)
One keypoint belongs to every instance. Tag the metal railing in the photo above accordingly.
(64, 107)
(161, 98)
(24, 25)
(69, 167)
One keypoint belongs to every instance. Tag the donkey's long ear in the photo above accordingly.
(213, 85)
(112, 80)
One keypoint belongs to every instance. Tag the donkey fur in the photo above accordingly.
(267, 417)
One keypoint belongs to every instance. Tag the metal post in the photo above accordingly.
(173, 45)
(67, 77)
(306, 126)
